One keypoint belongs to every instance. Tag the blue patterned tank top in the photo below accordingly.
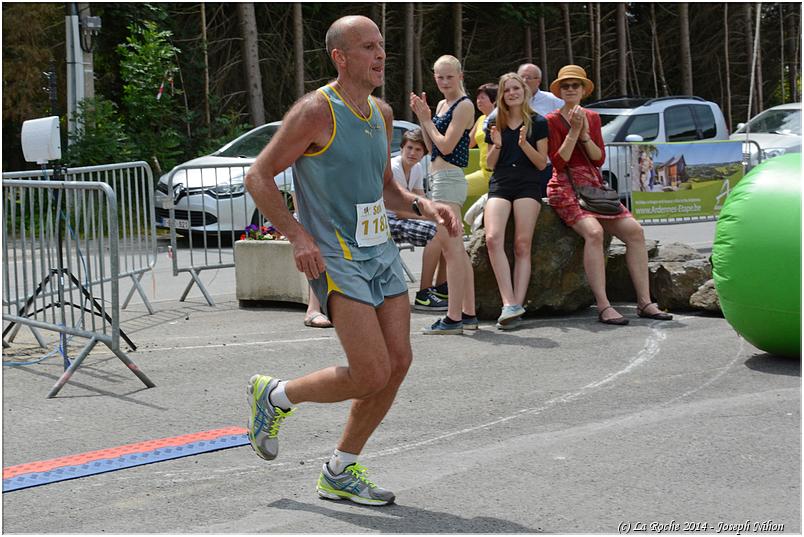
(460, 154)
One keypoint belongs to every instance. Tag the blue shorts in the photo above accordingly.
(369, 281)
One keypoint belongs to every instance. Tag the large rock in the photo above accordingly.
(619, 287)
(672, 283)
(706, 299)
(557, 282)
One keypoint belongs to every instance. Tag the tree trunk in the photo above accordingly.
(794, 33)
(204, 49)
(409, 56)
(598, 76)
(726, 60)
(528, 44)
(629, 58)
(659, 65)
(382, 30)
(760, 93)
(622, 66)
(457, 16)
(781, 53)
(298, 48)
(251, 62)
(417, 51)
(685, 52)
(749, 49)
(591, 24)
(567, 31)
(543, 52)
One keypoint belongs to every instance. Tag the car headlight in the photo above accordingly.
(228, 189)
(772, 152)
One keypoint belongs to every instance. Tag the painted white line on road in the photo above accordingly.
(709, 382)
(235, 344)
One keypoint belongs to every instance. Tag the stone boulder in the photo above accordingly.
(672, 283)
(706, 299)
(557, 282)
(618, 281)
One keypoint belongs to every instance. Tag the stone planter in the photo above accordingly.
(266, 271)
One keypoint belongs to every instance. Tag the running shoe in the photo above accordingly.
(265, 420)
(427, 301)
(469, 322)
(443, 326)
(353, 484)
(509, 313)
(510, 325)
(441, 291)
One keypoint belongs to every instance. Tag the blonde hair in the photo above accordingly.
(452, 61)
(503, 112)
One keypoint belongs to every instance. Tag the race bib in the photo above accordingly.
(372, 224)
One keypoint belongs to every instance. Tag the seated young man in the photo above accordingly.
(409, 173)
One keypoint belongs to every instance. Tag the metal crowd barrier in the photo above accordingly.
(207, 205)
(61, 266)
(132, 182)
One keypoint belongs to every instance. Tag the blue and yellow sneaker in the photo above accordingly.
(353, 484)
(265, 420)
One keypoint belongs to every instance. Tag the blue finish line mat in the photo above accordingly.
(38, 473)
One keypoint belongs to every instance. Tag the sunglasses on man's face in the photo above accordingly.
(571, 85)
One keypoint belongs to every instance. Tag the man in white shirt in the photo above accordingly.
(409, 173)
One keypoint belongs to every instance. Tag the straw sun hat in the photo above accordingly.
(569, 72)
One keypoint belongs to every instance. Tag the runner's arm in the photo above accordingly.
(307, 125)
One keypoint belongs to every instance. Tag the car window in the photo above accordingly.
(679, 125)
(605, 119)
(250, 145)
(396, 141)
(706, 120)
(618, 127)
(776, 121)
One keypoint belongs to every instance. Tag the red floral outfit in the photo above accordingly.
(559, 189)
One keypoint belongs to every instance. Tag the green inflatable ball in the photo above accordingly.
(756, 256)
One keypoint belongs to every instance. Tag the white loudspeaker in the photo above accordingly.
(41, 141)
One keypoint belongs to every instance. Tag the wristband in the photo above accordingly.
(415, 207)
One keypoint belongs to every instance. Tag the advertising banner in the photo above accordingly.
(683, 180)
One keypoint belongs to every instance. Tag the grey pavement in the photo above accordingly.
(562, 426)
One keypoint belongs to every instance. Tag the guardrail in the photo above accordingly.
(61, 266)
(207, 204)
(133, 184)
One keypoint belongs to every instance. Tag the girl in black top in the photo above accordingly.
(517, 155)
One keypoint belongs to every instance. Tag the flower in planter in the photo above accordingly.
(260, 233)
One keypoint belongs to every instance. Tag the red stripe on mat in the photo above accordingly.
(110, 453)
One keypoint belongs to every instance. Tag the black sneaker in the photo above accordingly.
(427, 301)
(441, 291)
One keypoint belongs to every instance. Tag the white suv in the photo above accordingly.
(659, 120)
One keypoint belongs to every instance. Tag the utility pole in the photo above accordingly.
(80, 31)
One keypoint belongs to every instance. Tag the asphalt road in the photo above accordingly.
(562, 426)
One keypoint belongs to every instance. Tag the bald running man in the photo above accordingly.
(338, 140)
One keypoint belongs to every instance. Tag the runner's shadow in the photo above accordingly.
(404, 519)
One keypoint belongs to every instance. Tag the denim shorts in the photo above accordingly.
(448, 186)
(369, 281)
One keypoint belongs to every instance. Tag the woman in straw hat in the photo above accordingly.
(576, 150)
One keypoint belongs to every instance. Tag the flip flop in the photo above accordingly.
(658, 316)
(617, 321)
(311, 321)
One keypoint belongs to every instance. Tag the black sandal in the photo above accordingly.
(658, 316)
(618, 321)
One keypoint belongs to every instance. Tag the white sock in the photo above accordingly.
(339, 461)
(278, 398)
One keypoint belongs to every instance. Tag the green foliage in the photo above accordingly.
(224, 129)
(101, 136)
(147, 62)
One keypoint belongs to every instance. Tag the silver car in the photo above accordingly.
(208, 194)
(776, 131)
